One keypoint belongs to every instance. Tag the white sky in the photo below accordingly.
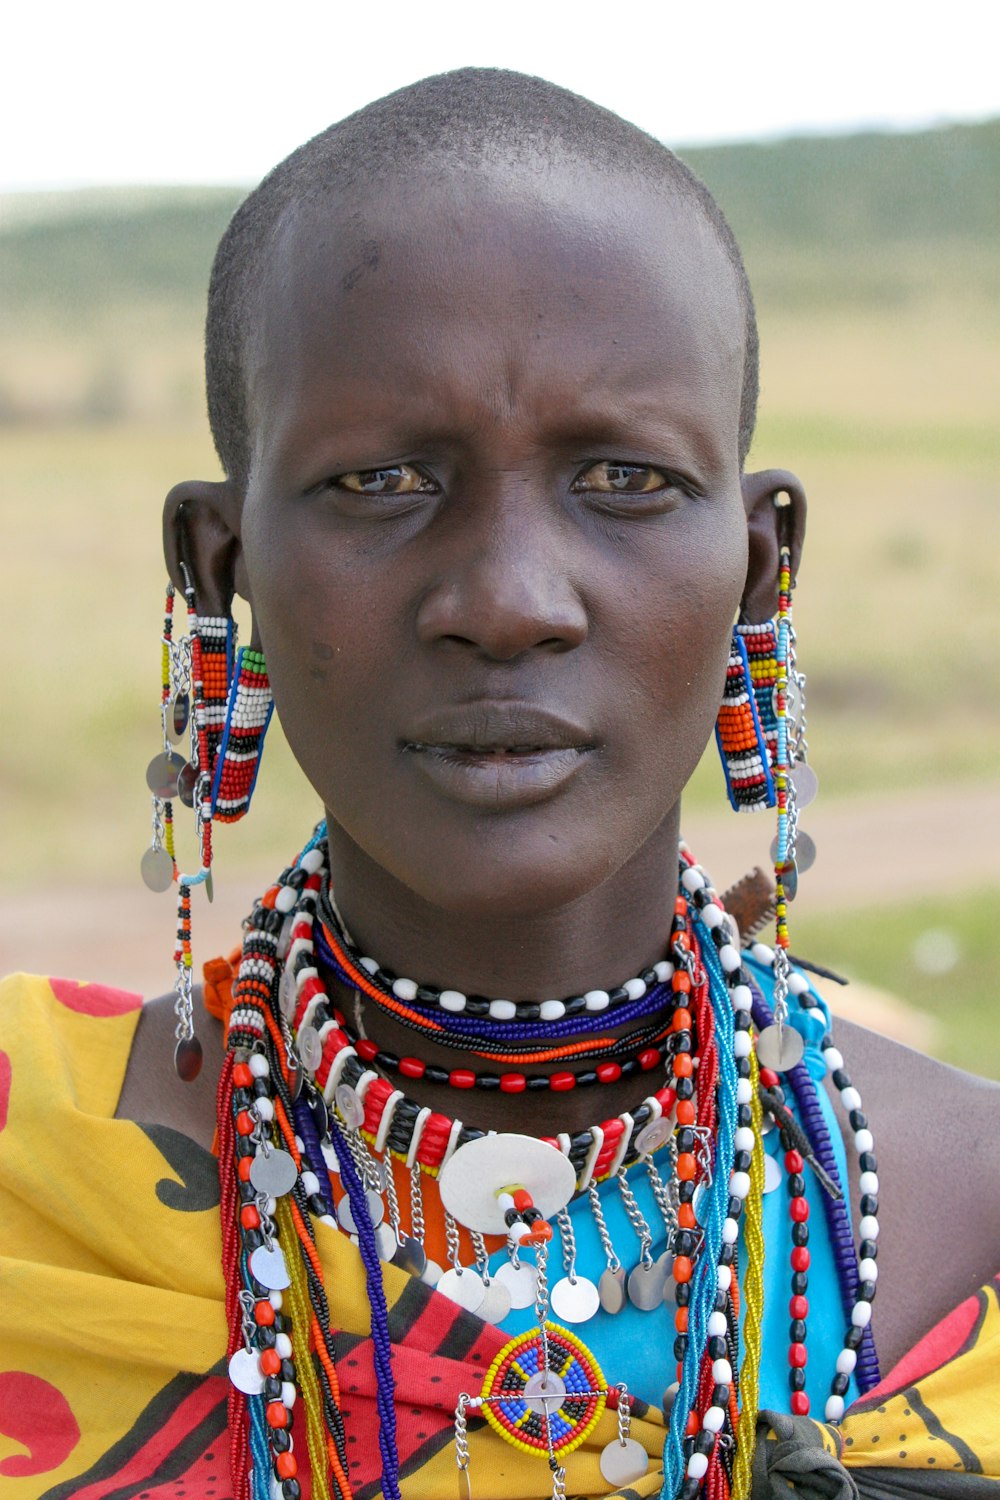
(145, 91)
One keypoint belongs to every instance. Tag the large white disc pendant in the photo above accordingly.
(480, 1169)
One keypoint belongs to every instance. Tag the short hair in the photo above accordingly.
(464, 117)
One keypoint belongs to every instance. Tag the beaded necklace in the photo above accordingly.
(299, 1101)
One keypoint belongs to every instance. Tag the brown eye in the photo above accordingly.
(609, 478)
(397, 479)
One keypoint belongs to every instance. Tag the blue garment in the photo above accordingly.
(637, 1346)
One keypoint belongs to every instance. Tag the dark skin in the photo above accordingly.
(495, 479)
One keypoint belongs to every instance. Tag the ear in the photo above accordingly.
(201, 529)
(775, 504)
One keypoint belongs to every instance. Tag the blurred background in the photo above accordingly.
(860, 169)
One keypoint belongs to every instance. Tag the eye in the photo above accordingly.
(612, 478)
(396, 479)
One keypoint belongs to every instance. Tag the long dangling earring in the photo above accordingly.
(225, 709)
(792, 850)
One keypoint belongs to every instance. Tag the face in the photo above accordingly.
(494, 537)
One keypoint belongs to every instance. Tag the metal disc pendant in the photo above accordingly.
(376, 1211)
(496, 1303)
(431, 1274)
(805, 851)
(772, 1174)
(472, 1177)
(309, 1047)
(210, 890)
(654, 1135)
(245, 1372)
(622, 1463)
(611, 1290)
(273, 1174)
(268, 1267)
(544, 1392)
(520, 1282)
(779, 1048)
(187, 1058)
(646, 1285)
(464, 1287)
(320, 1114)
(349, 1106)
(162, 773)
(806, 783)
(187, 781)
(157, 870)
(575, 1301)
(386, 1242)
(410, 1256)
(178, 716)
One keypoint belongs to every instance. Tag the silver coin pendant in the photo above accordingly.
(646, 1285)
(157, 870)
(575, 1301)
(519, 1281)
(273, 1174)
(245, 1373)
(611, 1290)
(622, 1463)
(464, 1287)
(779, 1048)
(268, 1267)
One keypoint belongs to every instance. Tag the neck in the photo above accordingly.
(594, 941)
(597, 941)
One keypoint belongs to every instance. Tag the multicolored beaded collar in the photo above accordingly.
(300, 1102)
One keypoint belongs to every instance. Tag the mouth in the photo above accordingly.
(498, 756)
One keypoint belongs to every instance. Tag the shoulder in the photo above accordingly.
(935, 1129)
(152, 1093)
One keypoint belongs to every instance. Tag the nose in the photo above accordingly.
(503, 585)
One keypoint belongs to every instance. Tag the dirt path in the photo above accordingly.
(122, 934)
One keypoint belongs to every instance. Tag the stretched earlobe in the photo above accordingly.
(771, 524)
(201, 529)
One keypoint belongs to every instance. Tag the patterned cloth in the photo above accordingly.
(112, 1380)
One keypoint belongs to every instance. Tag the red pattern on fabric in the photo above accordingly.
(36, 1414)
(944, 1342)
(5, 1072)
(158, 1448)
(94, 999)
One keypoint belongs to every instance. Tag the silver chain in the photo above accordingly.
(614, 1264)
(666, 1197)
(417, 1204)
(636, 1219)
(451, 1236)
(568, 1241)
(624, 1414)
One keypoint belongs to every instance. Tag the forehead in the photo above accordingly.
(418, 290)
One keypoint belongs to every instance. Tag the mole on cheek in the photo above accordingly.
(322, 650)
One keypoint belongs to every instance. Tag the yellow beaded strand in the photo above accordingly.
(753, 1294)
(305, 1372)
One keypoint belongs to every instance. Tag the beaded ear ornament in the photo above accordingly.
(217, 703)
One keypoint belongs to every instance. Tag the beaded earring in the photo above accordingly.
(745, 729)
(248, 713)
(223, 711)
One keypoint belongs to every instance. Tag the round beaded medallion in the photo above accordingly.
(544, 1410)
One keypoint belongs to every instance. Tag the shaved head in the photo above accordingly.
(477, 121)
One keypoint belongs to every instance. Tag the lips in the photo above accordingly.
(497, 755)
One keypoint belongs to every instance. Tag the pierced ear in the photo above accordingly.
(201, 528)
(770, 526)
